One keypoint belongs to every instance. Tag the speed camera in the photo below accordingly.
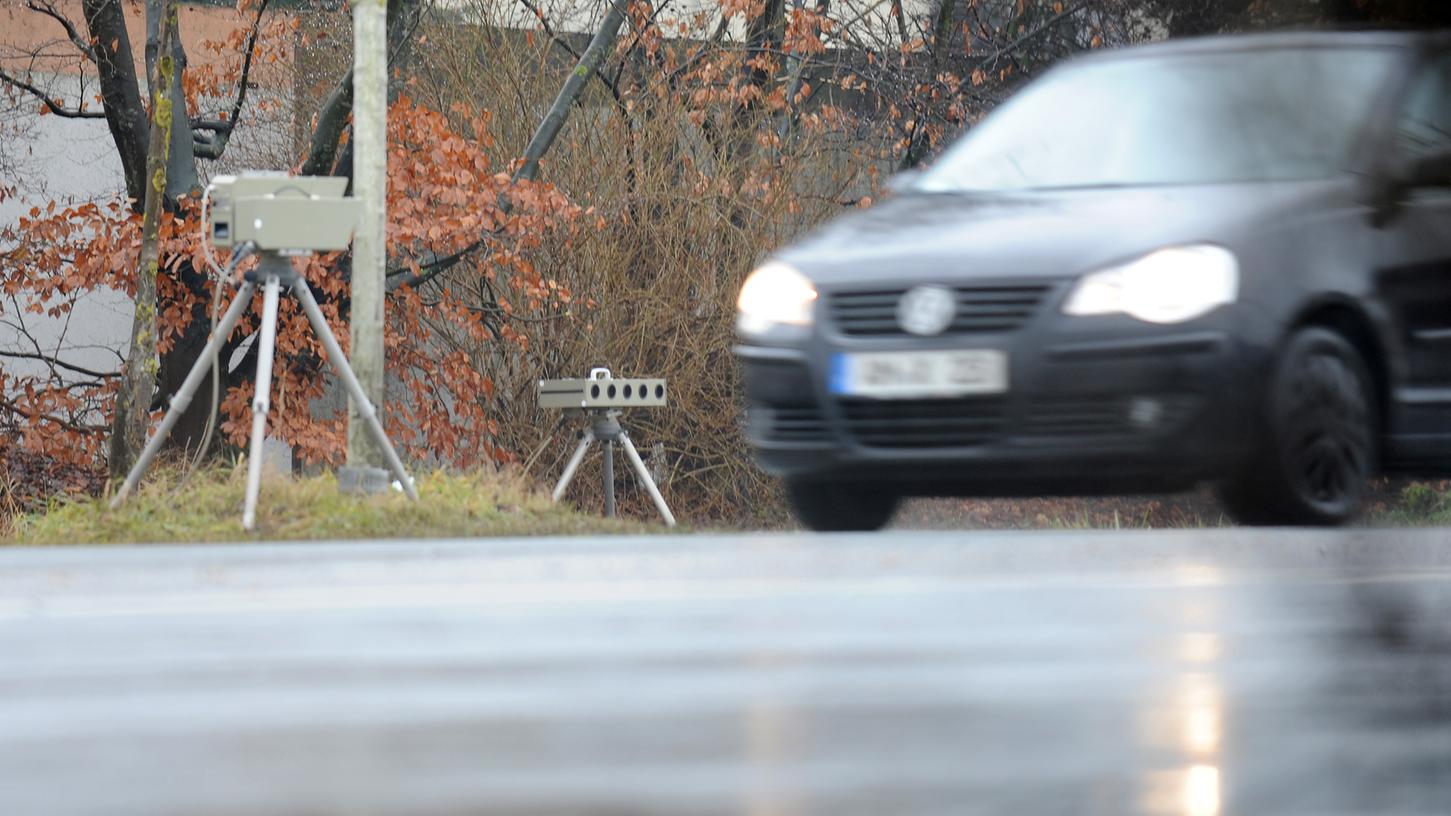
(281, 213)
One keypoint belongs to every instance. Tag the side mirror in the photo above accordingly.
(903, 181)
(1386, 196)
(1430, 170)
(1388, 193)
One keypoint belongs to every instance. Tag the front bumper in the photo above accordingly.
(1094, 406)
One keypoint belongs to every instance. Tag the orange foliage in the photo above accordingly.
(443, 197)
(804, 29)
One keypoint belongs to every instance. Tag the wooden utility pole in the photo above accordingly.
(138, 376)
(370, 187)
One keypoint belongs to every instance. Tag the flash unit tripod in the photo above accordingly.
(273, 272)
(599, 399)
(604, 427)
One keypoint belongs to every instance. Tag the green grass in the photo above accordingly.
(208, 507)
(1417, 504)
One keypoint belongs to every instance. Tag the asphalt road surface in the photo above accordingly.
(1192, 673)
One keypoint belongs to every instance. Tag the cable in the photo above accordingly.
(204, 237)
(238, 255)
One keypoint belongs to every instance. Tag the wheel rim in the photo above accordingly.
(1327, 424)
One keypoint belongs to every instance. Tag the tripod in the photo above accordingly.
(274, 272)
(605, 427)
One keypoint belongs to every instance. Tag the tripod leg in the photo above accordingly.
(182, 400)
(261, 398)
(609, 470)
(355, 389)
(573, 465)
(645, 479)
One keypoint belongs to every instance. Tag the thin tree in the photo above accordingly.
(138, 378)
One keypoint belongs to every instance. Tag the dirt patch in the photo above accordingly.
(29, 481)
(1392, 501)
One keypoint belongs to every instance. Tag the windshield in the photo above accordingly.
(1193, 119)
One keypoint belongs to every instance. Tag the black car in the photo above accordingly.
(1222, 260)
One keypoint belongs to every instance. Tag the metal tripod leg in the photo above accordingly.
(573, 465)
(261, 397)
(645, 480)
(355, 389)
(182, 400)
(608, 466)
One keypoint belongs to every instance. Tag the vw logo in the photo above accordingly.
(926, 310)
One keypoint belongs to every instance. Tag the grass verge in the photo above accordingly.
(208, 507)
(1417, 504)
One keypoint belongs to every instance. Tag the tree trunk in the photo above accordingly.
(120, 95)
(138, 378)
(332, 118)
(919, 143)
(589, 62)
(181, 175)
(764, 35)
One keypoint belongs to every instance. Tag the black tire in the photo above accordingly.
(840, 506)
(1318, 439)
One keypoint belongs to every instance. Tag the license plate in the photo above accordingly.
(916, 374)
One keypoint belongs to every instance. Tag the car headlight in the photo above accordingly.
(1168, 286)
(774, 295)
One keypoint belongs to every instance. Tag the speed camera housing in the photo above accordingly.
(281, 213)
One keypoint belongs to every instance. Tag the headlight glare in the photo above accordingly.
(1168, 286)
(774, 295)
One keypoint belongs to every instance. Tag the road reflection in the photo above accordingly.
(774, 734)
(1201, 791)
(1201, 712)
(1186, 720)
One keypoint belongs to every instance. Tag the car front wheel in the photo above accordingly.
(1317, 450)
(840, 506)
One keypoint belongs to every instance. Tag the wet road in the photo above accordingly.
(1193, 673)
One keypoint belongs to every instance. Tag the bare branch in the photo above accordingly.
(404, 18)
(438, 266)
(900, 20)
(45, 7)
(332, 120)
(212, 147)
(589, 63)
(58, 363)
(611, 85)
(543, 139)
(52, 105)
(714, 40)
(205, 147)
(69, 425)
(992, 58)
(548, 29)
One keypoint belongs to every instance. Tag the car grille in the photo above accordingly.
(923, 423)
(802, 424)
(982, 308)
(788, 424)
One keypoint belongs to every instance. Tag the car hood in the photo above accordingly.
(1044, 234)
